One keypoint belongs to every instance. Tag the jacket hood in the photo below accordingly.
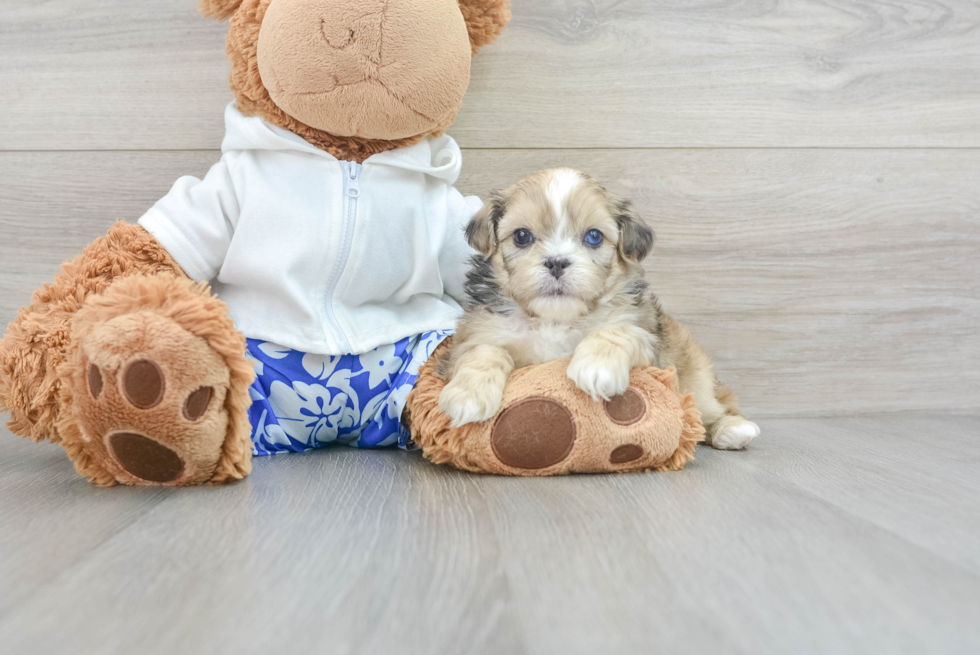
(438, 157)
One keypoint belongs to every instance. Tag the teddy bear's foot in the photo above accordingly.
(148, 398)
(548, 426)
(153, 397)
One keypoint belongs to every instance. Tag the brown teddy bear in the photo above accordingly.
(333, 236)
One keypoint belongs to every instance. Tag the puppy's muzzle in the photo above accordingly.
(557, 266)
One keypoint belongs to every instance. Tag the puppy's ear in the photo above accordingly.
(481, 232)
(218, 9)
(485, 20)
(636, 239)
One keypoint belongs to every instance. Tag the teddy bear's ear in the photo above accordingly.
(219, 9)
(485, 20)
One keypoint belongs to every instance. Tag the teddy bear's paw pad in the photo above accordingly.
(145, 458)
(533, 434)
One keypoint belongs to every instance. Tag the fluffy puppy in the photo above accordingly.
(559, 275)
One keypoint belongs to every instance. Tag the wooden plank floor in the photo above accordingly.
(828, 536)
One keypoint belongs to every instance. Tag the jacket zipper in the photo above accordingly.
(352, 192)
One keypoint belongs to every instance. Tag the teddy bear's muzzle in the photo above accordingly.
(377, 69)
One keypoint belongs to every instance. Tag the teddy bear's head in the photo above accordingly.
(355, 77)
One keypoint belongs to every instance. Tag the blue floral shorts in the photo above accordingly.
(302, 401)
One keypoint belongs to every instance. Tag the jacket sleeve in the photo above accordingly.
(196, 219)
(454, 260)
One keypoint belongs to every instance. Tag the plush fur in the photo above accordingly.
(663, 438)
(37, 341)
(485, 20)
(42, 368)
(186, 331)
(219, 9)
(559, 275)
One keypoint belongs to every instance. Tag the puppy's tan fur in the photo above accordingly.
(560, 296)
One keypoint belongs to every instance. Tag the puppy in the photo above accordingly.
(559, 275)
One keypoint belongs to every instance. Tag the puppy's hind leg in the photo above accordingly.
(476, 388)
(730, 430)
(725, 427)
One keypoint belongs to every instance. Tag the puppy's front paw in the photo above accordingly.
(469, 403)
(601, 378)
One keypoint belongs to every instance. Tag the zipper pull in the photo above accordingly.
(353, 190)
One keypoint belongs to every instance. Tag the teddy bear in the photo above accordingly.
(293, 296)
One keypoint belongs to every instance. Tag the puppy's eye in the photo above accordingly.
(594, 238)
(523, 238)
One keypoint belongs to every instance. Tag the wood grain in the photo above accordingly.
(823, 282)
(789, 547)
(726, 556)
(115, 74)
(52, 518)
(906, 473)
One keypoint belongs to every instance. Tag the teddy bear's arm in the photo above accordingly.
(196, 220)
(37, 339)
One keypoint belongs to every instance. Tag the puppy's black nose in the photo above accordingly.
(557, 265)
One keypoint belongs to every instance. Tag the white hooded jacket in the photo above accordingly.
(317, 254)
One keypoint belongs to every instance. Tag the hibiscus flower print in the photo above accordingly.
(307, 400)
(308, 413)
(380, 364)
(320, 367)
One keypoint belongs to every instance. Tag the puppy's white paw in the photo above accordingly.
(600, 378)
(734, 433)
(464, 403)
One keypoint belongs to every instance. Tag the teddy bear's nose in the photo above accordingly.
(339, 38)
(358, 34)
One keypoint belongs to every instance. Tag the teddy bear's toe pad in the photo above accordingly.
(626, 409)
(143, 384)
(197, 403)
(532, 434)
(95, 381)
(625, 453)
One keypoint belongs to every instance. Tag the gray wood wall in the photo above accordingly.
(812, 168)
